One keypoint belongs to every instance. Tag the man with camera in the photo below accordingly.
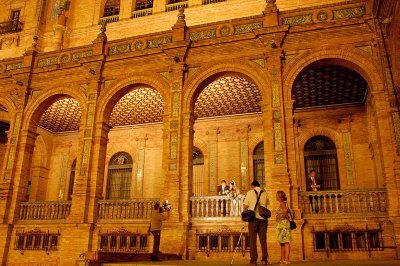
(158, 215)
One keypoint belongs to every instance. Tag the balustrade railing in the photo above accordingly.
(10, 26)
(176, 6)
(110, 19)
(342, 202)
(126, 209)
(45, 210)
(142, 13)
(216, 206)
(206, 2)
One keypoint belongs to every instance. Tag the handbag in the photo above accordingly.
(292, 223)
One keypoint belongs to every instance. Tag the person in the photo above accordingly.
(313, 184)
(155, 228)
(260, 225)
(283, 233)
(223, 190)
(234, 193)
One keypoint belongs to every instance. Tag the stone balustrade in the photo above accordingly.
(142, 13)
(176, 6)
(207, 2)
(45, 210)
(216, 206)
(126, 209)
(367, 202)
(110, 19)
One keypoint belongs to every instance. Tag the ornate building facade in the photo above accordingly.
(109, 106)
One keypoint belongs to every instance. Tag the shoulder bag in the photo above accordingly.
(292, 223)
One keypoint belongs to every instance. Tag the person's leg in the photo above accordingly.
(311, 202)
(156, 243)
(262, 234)
(282, 252)
(253, 241)
(287, 251)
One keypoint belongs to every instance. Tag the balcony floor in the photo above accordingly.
(240, 262)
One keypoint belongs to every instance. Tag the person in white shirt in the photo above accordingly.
(260, 225)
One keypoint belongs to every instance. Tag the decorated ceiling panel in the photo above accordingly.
(63, 115)
(228, 96)
(140, 106)
(329, 85)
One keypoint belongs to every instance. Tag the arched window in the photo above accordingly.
(71, 180)
(111, 8)
(320, 155)
(119, 177)
(258, 164)
(198, 172)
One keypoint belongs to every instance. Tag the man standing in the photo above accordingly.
(260, 225)
(313, 184)
(223, 190)
(155, 228)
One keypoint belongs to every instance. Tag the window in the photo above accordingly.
(123, 240)
(36, 240)
(223, 242)
(111, 8)
(258, 164)
(347, 241)
(119, 177)
(72, 180)
(320, 155)
(176, 1)
(198, 172)
(144, 4)
(15, 19)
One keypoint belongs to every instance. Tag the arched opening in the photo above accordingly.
(111, 8)
(119, 177)
(198, 172)
(4, 127)
(258, 164)
(320, 155)
(71, 180)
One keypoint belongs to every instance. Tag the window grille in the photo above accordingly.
(111, 8)
(123, 241)
(144, 4)
(222, 242)
(36, 240)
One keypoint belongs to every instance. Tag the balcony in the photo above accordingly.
(109, 19)
(135, 209)
(10, 27)
(207, 2)
(45, 210)
(367, 202)
(176, 6)
(142, 13)
(212, 207)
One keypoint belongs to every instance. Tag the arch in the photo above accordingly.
(259, 164)
(320, 131)
(119, 88)
(119, 178)
(211, 72)
(37, 107)
(350, 57)
(9, 104)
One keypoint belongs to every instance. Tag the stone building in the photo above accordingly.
(108, 106)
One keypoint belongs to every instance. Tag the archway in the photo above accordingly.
(4, 127)
(258, 164)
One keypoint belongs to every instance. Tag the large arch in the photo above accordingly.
(349, 57)
(118, 88)
(202, 77)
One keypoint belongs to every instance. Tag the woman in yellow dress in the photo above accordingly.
(284, 235)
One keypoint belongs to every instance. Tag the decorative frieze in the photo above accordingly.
(275, 94)
(213, 170)
(279, 159)
(298, 20)
(10, 161)
(366, 48)
(396, 125)
(154, 43)
(203, 35)
(389, 81)
(175, 104)
(278, 136)
(174, 145)
(138, 45)
(14, 66)
(289, 58)
(89, 121)
(50, 61)
(353, 12)
(172, 167)
(83, 54)
(246, 28)
(119, 49)
(260, 62)
(139, 175)
(243, 164)
(192, 70)
(164, 74)
(107, 82)
(17, 122)
(85, 156)
(348, 157)
(277, 114)
(174, 124)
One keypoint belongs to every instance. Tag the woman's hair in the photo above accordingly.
(282, 195)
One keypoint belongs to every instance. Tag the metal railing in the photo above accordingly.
(216, 206)
(110, 19)
(176, 6)
(142, 13)
(206, 2)
(10, 26)
(341, 202)
(45, 210)
(126, 209)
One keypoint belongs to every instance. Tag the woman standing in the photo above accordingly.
(284, 235)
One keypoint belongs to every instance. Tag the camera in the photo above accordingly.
(166, 206)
